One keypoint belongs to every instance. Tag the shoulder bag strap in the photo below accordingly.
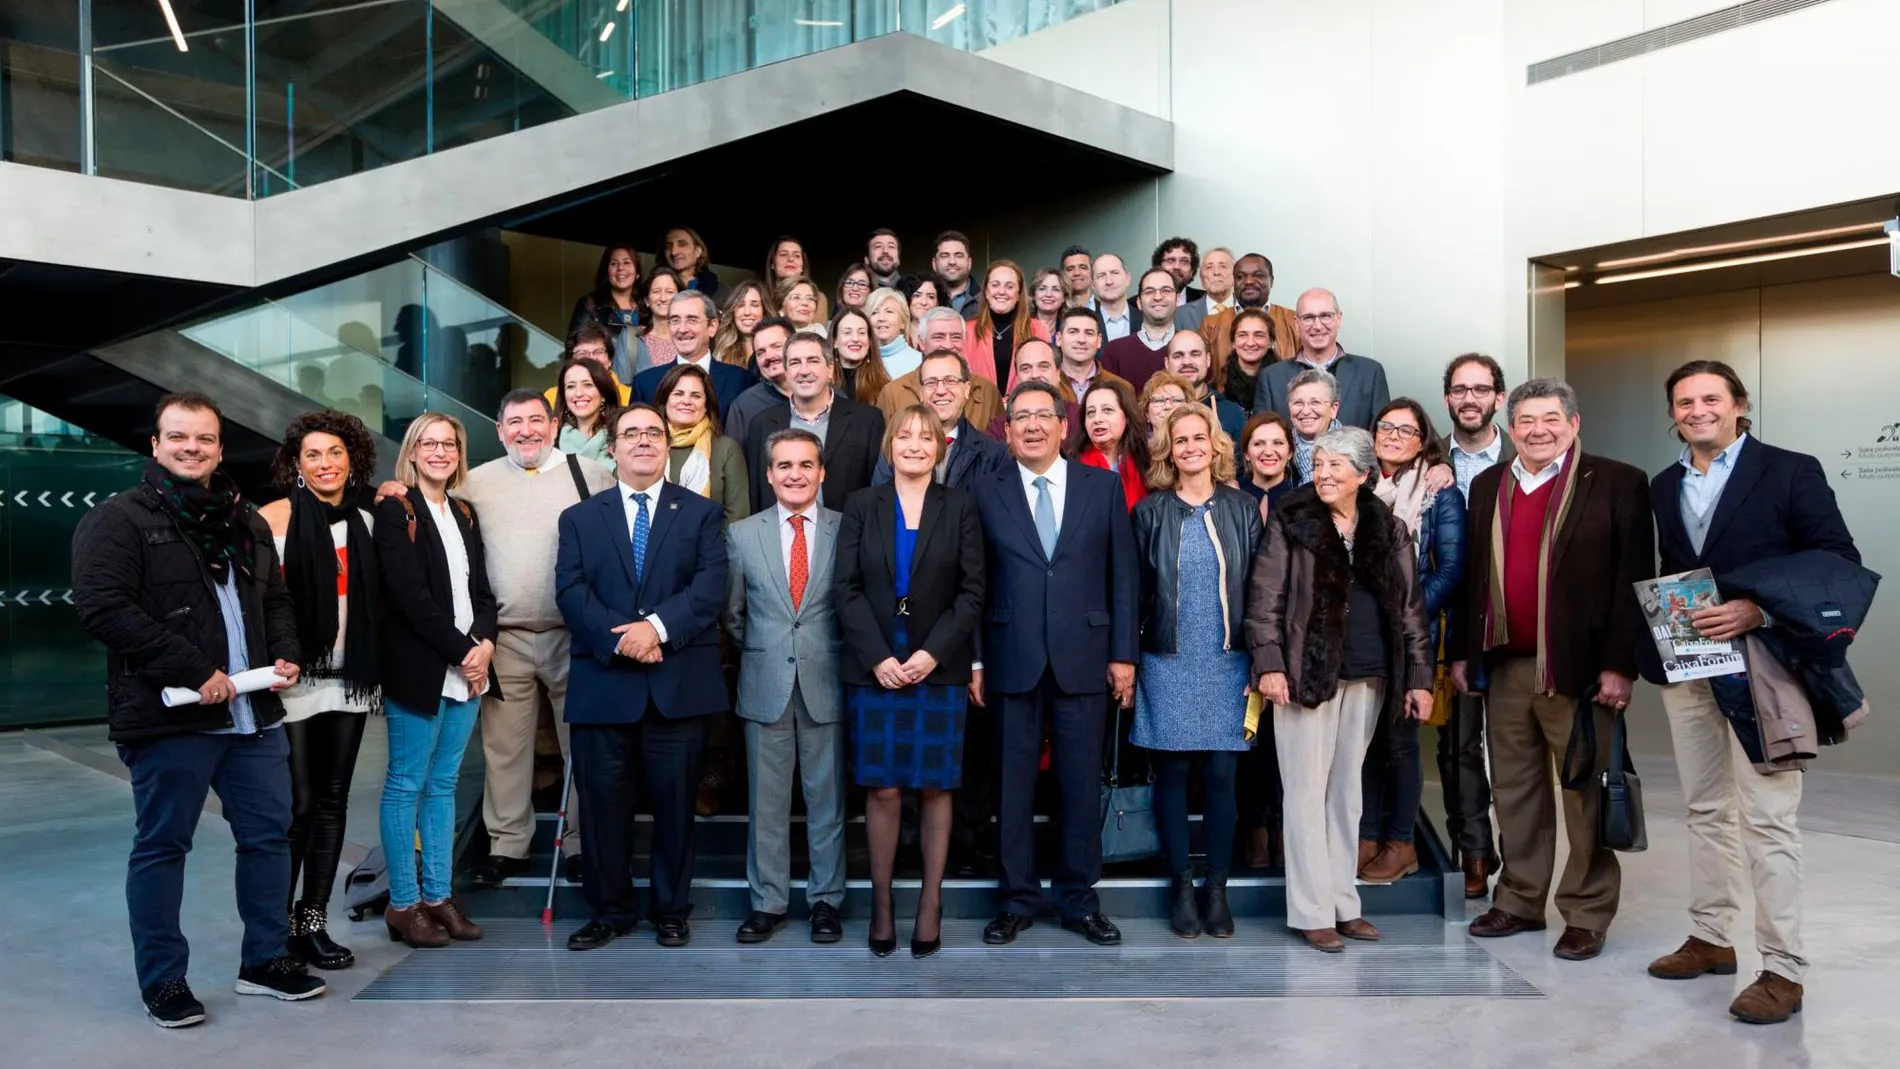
(580, 481)
(1580, 755)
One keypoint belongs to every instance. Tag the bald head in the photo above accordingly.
(1320, 317)
(1034, 359)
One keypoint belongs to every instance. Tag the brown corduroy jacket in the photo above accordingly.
(984, 404)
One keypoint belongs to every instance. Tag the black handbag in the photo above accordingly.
(1128, 813)
(1619, 791)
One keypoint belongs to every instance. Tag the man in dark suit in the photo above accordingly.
(1734, 500)
(640, 578)
(1059, 637)
(1362, 387)
(1558, 540)
(852, 432)
(943, 383)
(694, 319)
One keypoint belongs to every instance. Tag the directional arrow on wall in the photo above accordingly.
(31, 597)
(47, 498)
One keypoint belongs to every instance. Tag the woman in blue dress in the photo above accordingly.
(1195, 536)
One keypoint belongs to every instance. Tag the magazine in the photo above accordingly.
(1669, 603)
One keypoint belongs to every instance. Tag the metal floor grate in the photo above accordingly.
(520, 961)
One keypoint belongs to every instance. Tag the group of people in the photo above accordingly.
(941, 546)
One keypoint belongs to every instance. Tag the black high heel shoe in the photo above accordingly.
(883, 948)
(923, 948)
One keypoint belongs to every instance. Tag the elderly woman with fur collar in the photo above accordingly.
(1336, 625)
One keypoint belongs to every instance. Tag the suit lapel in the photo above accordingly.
(1016, 499)
(883, 527)
(927, 523)
(960, 455)
(1666, 504)
(1585, 477)
(1073, 507)
(836, 433)
(766, 533)
(824, 553)
(613, 517)
(666, 506)
(1749, 465)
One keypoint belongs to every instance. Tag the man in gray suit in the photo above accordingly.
(779, 610)
(1362, 388)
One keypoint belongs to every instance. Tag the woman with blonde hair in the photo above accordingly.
(1195, 537)
(890, 328)
(1004, 322)
(798, 300)
(749, 302)
(438, 636)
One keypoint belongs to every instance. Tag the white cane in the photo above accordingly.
(560, 833)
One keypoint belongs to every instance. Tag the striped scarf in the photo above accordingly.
(1497, 630)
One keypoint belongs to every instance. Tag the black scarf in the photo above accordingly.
(310, 570)
(211, 517)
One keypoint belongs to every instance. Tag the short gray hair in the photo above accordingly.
(706, 303)
(1536, 389)
(790, 434)
(1351, 443)
(1312, 376)
(942, 311)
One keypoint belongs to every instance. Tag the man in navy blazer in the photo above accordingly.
(1060, 637)
(1734, 500)
(640, 577)
(693, 319)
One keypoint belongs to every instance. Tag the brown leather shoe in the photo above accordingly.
(415, 927)
(1368, 849)
(1477, 877)
(1358, 928)
(1694, 958)
(1260, 849)
(1395, 861)
(448, 913)
(1494, 923)
(1578, 944)
(1324, 940)
(1771, 999)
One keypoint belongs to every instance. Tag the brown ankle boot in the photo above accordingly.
(1477, 877)
(448, 913)
(1771, 999)
(415, 927)
(1694, 958)
(1394, 862)
(1368, 849)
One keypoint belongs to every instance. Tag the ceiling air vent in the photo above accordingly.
(1675, 33)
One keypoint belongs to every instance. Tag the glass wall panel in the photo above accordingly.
(39, 85)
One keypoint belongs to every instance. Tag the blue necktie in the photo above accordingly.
(640, 529)
(1045, 517)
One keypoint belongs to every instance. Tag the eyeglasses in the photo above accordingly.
(1158, 291)
(1459, 393)
(1038, 415)
(1405, 432)
(1310, 405)
(855, 284)
(641, 434)
(948, 382)
(1169, 401)
(595, 354)
(433, 445)
(1318, 317)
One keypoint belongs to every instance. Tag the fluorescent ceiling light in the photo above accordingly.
(1743, 261)
(814, 22)
(1572, 284)
(171, 23)
(606, 32)
(622, 5)
(1732, 246)
(947, 17)
(608, 73)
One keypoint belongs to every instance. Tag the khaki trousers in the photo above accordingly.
(1529, 732)
(1321, 752)
(1732, 808)
(526, 663)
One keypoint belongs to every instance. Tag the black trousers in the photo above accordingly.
(322, 763)
(1466, 781)
(1259, 788)
(1075, 725)
(973, 804)
(612, 764)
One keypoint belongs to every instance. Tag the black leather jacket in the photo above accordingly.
(1157, 518)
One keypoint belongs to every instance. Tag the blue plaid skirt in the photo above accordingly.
(911, 737)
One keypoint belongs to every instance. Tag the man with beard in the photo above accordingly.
(1474, 392)
(881, 254)
(1188, 358)
(951, 260)
(1181, 258)
(768, 354)
(1253, 285)
(1143, 352)
(1078, 275)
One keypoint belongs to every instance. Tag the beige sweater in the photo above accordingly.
(520, 514)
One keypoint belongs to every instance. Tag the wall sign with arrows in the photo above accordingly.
(1876, 461)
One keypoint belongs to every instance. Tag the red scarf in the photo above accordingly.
(1132, 487)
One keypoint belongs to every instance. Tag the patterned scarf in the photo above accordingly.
(696, 470)
(211, 517)
(1303, 453)
(1497, 630)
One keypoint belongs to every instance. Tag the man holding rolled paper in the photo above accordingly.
(178, 579)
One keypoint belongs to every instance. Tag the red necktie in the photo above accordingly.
(801, 569)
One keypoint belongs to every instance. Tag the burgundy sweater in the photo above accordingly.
(1521, 545)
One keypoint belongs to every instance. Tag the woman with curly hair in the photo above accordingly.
(329, 562)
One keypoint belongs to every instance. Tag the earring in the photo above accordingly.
(300, 482)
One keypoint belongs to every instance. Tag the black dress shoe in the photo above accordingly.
(1096, 929)
(760, 926)
(672, 932)
(492, 870)
(574, 870)
(826, 925)
(310, 940)
(1006, 927)
(595, 934)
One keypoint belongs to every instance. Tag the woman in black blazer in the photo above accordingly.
(909, 578)
(437, 639)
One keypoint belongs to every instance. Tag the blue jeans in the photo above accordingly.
(170, 778)
(425, 758)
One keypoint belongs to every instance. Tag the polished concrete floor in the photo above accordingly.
(67, 997)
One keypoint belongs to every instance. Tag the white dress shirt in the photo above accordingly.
(454, 687)
(704, 363)
(785, 532)
(1529, 483)
(1058, 475)
(627, 494)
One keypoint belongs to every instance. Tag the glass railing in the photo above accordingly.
(249, 98)
(388, 345)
